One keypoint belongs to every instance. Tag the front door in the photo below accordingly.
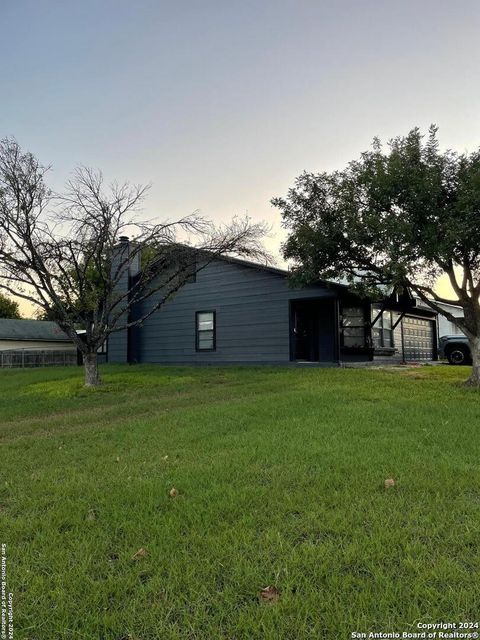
(305, 333)
(313, 332)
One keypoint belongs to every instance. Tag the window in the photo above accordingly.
(382, 332)
(102, 349)
(353, 327)
(205, 331)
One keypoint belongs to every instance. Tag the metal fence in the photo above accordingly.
(37, 358)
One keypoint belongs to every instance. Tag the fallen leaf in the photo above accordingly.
(117, 459)
(141, 553)
(92, 515)
(269, 594)
(173, 493)
(389, 482)
(165, 458)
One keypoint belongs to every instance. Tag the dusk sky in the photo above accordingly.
(220, 104)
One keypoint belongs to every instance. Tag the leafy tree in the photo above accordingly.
(67, 254)
(8, 308)
(401, 215)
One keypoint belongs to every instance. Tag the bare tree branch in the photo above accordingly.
(65, 252)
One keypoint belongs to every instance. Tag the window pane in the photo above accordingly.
(205, 325)
(353, 341)
(355, 315)
(205, 334)
(356, 332)
(353, 322)
(377, 337)
(353, 311)
(387, 338)
(102, 348)
(205, 321)
(205, 340)
(375, 311)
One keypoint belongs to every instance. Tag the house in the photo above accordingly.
(233, 311)
(33, 334)
(445, 326)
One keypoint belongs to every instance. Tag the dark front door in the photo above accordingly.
(313, 330)
(305, 331)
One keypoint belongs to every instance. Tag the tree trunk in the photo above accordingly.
(92, 376)
(474, 379)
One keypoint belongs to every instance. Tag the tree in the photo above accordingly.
(8, 308)
(401, 216)
(66, 252)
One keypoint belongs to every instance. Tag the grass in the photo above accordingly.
(280, 474)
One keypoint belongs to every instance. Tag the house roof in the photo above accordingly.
(254, 265)
(340, 284)
(281, 272)
(38, 330)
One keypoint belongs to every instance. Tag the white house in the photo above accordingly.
(33, 334)
(446, 327)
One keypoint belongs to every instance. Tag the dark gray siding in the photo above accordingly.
(117, 342)
(252, 320)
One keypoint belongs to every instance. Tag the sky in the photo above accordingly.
(220, 104)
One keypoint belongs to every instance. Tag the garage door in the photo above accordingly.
(418, 339)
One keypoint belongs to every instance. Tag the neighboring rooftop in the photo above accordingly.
(421, 303)
(39, 330)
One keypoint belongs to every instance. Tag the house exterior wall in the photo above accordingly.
(117, 342)
(446, 327)
(42, 345)
(252, 320)
(254, 312)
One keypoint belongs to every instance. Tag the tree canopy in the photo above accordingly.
(402, 215)
(9, 308)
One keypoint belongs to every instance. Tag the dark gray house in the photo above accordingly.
(238, 312)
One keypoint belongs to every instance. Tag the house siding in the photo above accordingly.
(44, 345)
(254, 309)
(117, 342)
(252, 320)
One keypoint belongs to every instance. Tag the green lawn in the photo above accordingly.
(280, 474)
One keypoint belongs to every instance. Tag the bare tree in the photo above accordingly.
(65, 253)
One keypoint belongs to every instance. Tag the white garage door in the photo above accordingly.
(418, 339)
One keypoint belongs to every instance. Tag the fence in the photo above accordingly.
(37, 358)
